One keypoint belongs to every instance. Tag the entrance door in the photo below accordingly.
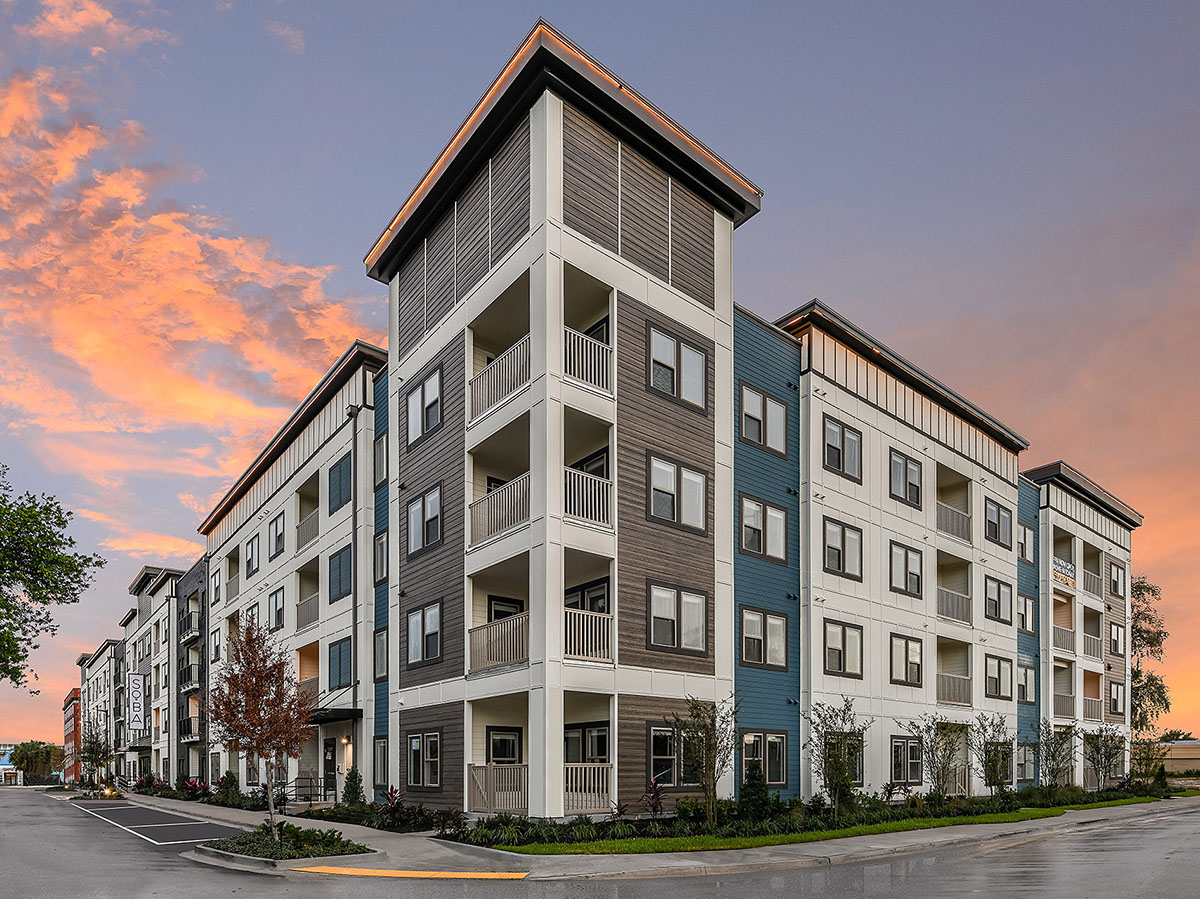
(329, 772)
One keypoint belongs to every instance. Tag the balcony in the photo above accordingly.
(953, 522)
(1064, 638)
(587, 788)
(189, 729)
(308, 611)
(189, 627)
(952, 605)
(498, 788)
(588, 498)
(1092, 583)
(503, 377)
(189, 678)
(1092, 708)
(500, 511)
(587, 636)
(308, 529)
(233, 586)
(1064, 705)
(1092, 646)
(954, 689)
(500, 643)
(587, 360)
(310, 687)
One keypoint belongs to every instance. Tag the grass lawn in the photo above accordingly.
(1132, 800)
(1187, 793)
(701, 843)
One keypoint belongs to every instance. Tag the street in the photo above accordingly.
(49, 849)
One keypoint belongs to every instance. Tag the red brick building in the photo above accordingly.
(72, 769)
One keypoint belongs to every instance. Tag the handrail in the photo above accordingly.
(506, 374)
(587, 497)
(504, 641)
(504, 508)
(587, 636)
(587, 360)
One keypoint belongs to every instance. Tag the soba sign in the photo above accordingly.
(136, 689)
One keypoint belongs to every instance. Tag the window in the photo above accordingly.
(997, 523)
(843, 649)
(379, 765)
(381, 460)
(503, 745)
(425, 521)
(252, 556)
(590, 597)
(905, 479)
(380, 648)
(425, 760)
(339, 483)
(843, 449)
(1116, 698)
(251, 615)
(678, 619)
(764, 639)
(997, 682)
(424, 407)
(339, 664)
(770, 751)
(843, 549)
(678, 494)
(906, 570)
(662, 756)
(1026, 684)
(906, 660)
(850, 747)
(215, 646)
(1116, 577)
(1025, 543)
(275, 604)
(425, 634)
(1025, 761)
(275, 536)
(764, 530)
(381, 556)
(215, 586)
(340, 573)
(764, 420)
(906, 760)
(1116, 639)
(997, 600)
(677, 370)
(1026, 614)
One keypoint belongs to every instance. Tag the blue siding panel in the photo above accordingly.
(1029, 584)
(381, 523)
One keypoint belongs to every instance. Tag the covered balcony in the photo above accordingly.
(1093, 641)
(308, 669)
(953, 503)
(500, 614)
(498, 777)
(1064, 690)
(500, 488)
(308, 511)
(587, 331)
(1089, 575)
(1093, 703)
(308, 606)
(587, 608)
(953, 588)
(1063, 633)
(233, 577)
(1063, 559)
(588, 778)
(500, 363)
(953, 672)
(588, 496)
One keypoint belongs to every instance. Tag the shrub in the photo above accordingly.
(451, 823)
(292, 842)
(195, 789)
(754, 797)
(582, 829)
(352, 790)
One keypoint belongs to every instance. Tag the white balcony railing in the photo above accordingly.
(233, 586)
(588, 498)
(1064, 705)
(504, 508)
(958, 779)
(501, 642)
(954, 688)
(1064, 638)
(1092, 646)
(308, 529)
(953, 605)
(506, 374)
(1092, 583)
(308, 610)
(587, 360)
(1092, 708)
(953, 522)
(587, 788)
(498, 788)
(587, 636)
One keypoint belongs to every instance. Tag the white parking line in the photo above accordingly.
(170, 824)
(142, 835)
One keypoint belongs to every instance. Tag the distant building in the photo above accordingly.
(72, 735)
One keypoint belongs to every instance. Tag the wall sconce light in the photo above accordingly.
(345, 741)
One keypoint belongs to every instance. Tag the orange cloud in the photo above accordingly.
(291, 38)
(87, 22)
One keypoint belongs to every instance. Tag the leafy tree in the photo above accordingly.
(1149, 697)
(1104, 753)
(990, 743)
(709, 735)
(1056, 753)
(257, 704)
(95, 752)
(836, 742)
(1146, 756)
(39, 569)
(32, 757)
(1175, 735)
(940, 741)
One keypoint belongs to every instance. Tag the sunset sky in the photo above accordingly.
(1006, 193)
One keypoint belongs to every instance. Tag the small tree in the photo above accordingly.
(755, 797)
(1104, 753)
(1056, 753)
(990, 743)
(1146, 754)
(352, 789)
(709, 735)
(1175, 735)
(939, 739)
(257, 704)
(836, 742)
(94, 751)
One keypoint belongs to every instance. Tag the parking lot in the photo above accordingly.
(156, 827)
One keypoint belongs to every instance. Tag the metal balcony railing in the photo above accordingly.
(587, 360)
(1064, 638)
(503, 509)
(189, 728)
(507, 374)
(499, 643)
(1093, 707)
(308, 610)
(587, 636)
(308, 529)
(953, 522)
(1092, 646)
(588, 498)
(189, 627)
(1092, 583)
(1064, 705)
(233, 586)
(953, 605)
(189, 677)
(954, 688)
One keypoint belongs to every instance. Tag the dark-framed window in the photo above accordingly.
(214, 646)
(586, 742)
(1116, 698)
(1026, 684)
(591, 596)
(906, 570)
(340, 483)
(764, 639)
(425, 634)
(1025, 761)
(904, 479)
(843, 649)
(424, 407)
(425, 759)
(276, 604)
(764, 529)
(843, 549)
(380, 459)
(340, 666)
(1026, 614)
(676, 494)
(275, 536)
(1025, 544)
(425, 520)
(380, 547)
(252, 556)
(997, 523)
(997, 600)
(1116, 579)
(214, 586)
(843, 451)
(906, 761)
(676, 369)
(764, 420)
(666, 761)
(907, 660)
(379, 765)
(380, 649)
(341, 572)
(1116, 639)
(997, 677)
(769, 749)
(851, 747)
(503, 745)
(678, 618)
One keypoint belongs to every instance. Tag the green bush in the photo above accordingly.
(290, 842)
(352, 789)
(754, 798)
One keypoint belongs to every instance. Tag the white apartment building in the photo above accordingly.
(99, 673)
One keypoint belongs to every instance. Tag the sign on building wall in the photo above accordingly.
(1064, 572)
(136, 688)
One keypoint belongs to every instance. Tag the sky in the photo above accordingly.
(1007, 193)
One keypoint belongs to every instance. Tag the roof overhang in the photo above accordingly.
(128, 617)
(547, 59)
(144, 577)
(331, 715)
(164, 576)
(1080, 485)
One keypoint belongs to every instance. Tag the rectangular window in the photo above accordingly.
(425, 521)
(380, 648)
(339, 483)
(997, 682)
(424, 406)
(424, 760)
(215, 586)
(997, 523)
(1116, 577)
(906, 660)
(215, 646)
(275, 538)
(1025, 544)
(764, 420)
(381, 556)
(764, 530)
(678, 619)
(906, 760)
(379, 765)
(341, 581)
(906, 570)
(1116, 639)
(1116, 698)
(1025, 761)
(843, 549)
(764, 639)
(1026, 614)
(275, 603)
(850, 746)
(678, 494)
(252, 556)
(843, 649)
(770, 751)
(339, 664)
(425, 634)
(905, 479)
(843, 449)
(662, 756)
(381, 460)
(997, 603)
(677, 369)
(1026, 684)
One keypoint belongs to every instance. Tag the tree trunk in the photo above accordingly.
(270, 800)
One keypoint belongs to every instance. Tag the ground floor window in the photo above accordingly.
(1025, 762)
(770, 751)
(380, 763)
(906, 760)
(425, 760)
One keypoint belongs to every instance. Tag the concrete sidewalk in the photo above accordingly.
(424, 853)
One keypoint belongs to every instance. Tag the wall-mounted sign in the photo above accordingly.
(136, 689)
(1064, 572)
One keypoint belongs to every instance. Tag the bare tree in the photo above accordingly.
(257, 704)
(709, 735)
(836, 742)
(94, 751)
(1146, 754)
(1104, 753)
(1056, 753)
(990, 742)
(939, 749)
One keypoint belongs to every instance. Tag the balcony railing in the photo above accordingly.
(507, 374)
(1092, 583)
(503, 509)
(1092, 708)
(587, 636)
(953, 522)
(954, 688)
(308, 610)
(1064, 705)
(189, 677)
(498, 788)
(189, 729)
(311, 687)
(1092, 646)
(953, 605)
(233, 586)
(189, 627)
(587, 788)
(587, 360)
(308, 529)
(588, 498)
(1064, 638)
(504, 641)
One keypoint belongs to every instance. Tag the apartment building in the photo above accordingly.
(72, 717)
(1029, 633)
(99, 673)
(292, 545)
(187, 731)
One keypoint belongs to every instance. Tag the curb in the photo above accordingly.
(271, 865)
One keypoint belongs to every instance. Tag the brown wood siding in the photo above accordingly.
(448, 719)
(510, 192)
(590, 173)
(439, 271)
(411, 301)
(644, 240)
(436, 573)
(635, 716)
(471, 257)
(1114, 613)
(693, 261)
(649, 421)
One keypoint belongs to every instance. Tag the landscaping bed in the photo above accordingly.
(293, 842)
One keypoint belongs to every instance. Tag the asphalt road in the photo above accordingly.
(50, 849)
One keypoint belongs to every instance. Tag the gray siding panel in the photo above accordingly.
(472, 239)
(693, 264)
(411, 301)
(635, 716)
(590, 175)
(510, 192)
(448, 720)
(644, 240)
(439, 271)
